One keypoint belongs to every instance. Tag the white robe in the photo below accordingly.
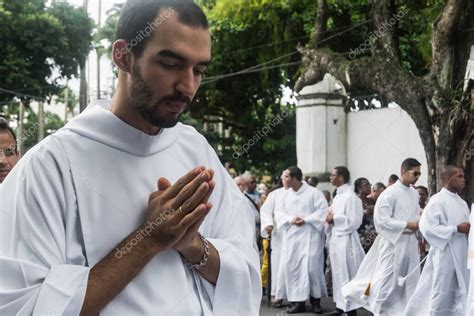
(345, 250)
(302, 257)
(267, 218)
(74, 197)
(394, 254)
(444, 281)
(470, 266)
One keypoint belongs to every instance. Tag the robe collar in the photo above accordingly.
(302, 189)
(344, 188)
(446, 191)
(101, 125)
(399, 183)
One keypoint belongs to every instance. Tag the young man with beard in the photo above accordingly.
(125, 210)
(388, 275)
(444, 283)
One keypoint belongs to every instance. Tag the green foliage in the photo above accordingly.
(37, 39)
(52, 123)
(415, 33)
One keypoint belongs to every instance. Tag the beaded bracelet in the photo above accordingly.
(204, 258)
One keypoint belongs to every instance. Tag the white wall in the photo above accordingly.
(379, 140)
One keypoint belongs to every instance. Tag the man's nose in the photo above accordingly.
(187, 82)
(3, 159)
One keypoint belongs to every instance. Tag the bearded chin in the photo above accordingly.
(142, 96)
(156, 120)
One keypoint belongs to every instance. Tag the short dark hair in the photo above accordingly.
(312, 179)
(422, 188)
(358, 184)
(139, 15)
(344, 172)
(393, 177)
(409, 164)
(379, 185)
(5, 128)
(295, 172)
(448, 172)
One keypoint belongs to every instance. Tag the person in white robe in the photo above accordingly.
(442, 289)
(388, 275)
(83, 227)
(269, 230)
(470, 266)
(301, 219)
(345, 250)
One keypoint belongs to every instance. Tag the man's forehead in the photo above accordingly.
(6, 137)
(171, 35)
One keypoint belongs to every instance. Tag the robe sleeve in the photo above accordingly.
(320, 206)
(385, 223)
(266, 215)
(433, 225)
(231, 230)
(43, 268)
(350, 219)
(282, 218)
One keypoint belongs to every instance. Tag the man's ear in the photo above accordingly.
(121, 55)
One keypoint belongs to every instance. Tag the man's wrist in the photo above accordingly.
(194, 251)
(147, 244)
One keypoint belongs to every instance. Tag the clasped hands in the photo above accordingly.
(298, 221)
(178, 210)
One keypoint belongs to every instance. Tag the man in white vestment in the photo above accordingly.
(267, 216)
(388, 275)
(125, 211)
(301, 218)
(443, 284)
(345, 250)
(470, 266)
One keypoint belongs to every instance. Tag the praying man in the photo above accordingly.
(125, 211)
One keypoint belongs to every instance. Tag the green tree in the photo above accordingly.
(36, 40)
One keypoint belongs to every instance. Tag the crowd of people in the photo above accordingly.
(365, 245)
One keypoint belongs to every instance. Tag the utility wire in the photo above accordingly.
(247, 70)
(286, 41)
(23, 94)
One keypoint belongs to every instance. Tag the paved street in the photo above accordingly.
(326, 304)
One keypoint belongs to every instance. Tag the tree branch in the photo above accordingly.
(442, 43)
(385, 25)
(320, 24)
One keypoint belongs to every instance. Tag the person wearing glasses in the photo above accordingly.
(9, 155)
(389, 273)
